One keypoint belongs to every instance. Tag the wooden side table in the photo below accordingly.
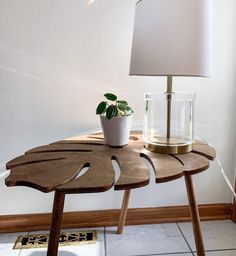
(56, 167)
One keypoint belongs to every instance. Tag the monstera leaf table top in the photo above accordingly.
(58, 165)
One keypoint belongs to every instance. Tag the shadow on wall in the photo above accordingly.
(12, 60)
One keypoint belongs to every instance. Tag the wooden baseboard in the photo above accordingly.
(234, 207)
(234, 213)
(152, 215)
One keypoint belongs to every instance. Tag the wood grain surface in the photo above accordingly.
(58, 166)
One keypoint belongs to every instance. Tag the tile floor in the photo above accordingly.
(144, 240)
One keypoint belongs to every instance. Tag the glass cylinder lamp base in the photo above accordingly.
(169, 122)
(166, 149)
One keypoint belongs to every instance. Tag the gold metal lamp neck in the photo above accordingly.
(169, 84)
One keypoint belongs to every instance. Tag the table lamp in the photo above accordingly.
(171, 38)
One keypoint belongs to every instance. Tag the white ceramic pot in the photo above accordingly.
(116, 130)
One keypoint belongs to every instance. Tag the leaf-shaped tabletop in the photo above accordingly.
(57, 166)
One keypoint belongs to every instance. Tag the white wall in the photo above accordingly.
(57, 59)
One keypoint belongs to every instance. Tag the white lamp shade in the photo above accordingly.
(172, 38)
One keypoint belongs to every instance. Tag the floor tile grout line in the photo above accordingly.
(185, 239)
(105, 241)
(27, 233)
(160, 254)
(219, 250)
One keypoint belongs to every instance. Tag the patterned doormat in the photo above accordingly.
(67, 238)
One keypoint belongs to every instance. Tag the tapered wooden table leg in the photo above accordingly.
(123, 212)
(194, 216)
(56, 221)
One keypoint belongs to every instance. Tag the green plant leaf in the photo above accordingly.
(110, 96)
(123, 102)
(129, 110)
(111, 111)
(101, 107)
(121, 107)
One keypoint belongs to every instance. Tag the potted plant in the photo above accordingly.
(116, 119)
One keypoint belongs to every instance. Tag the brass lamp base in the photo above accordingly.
(166, 149)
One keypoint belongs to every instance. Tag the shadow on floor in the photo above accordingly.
(60, 253)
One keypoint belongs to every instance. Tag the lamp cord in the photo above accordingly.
(222, 171)
(3, 174)
(225, 176)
